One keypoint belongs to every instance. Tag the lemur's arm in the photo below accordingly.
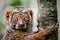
(41, 34)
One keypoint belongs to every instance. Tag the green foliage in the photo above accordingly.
(15, 3)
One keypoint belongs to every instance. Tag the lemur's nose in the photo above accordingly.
(20, 22)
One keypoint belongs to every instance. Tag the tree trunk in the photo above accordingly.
(47, 16)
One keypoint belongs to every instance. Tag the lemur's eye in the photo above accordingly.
(15, 19)
(26, 19)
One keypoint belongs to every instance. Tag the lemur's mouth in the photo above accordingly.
(20, 26)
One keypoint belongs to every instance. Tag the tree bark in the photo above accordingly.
(47, 16)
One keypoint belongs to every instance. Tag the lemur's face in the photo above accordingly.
(19, 19)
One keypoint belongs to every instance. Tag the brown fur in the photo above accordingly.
(41, 34)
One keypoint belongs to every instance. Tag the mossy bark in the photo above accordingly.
(47, 16)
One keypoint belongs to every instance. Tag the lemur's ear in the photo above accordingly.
(8, 13)
(30, 12)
